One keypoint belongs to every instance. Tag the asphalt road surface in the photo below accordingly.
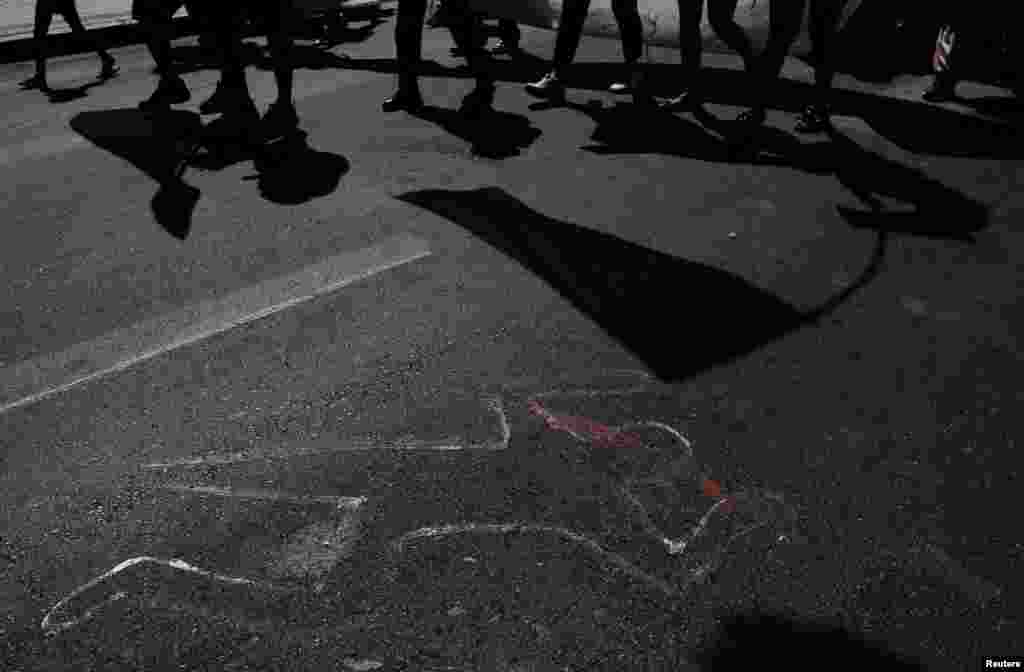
(564, 388)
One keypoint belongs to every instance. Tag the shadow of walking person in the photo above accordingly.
(291, 172)
(927, 207)
(160, 147)
(607, 278)
(751, 639)
(493, 135)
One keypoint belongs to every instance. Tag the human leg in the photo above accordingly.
(408, 51)
(74, 21)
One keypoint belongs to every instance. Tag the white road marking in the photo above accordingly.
(25, 383)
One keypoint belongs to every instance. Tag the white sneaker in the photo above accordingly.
(549, 86)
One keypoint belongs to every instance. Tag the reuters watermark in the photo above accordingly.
(1011, 663)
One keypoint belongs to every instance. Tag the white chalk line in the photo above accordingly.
(343, 503)
(612, 558)
(38, 379)
(443, 445)
(51, 627)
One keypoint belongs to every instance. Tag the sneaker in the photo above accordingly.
(687, 100)
(503, 48)
(35, 82)
(814, 119)
(549, 86)
(281, 119)
(170, 91)
(939, 92)
(408, 99)
(225, 97)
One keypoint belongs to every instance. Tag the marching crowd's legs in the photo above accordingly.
(786, 19)
(570, 30)
(465, 29)
(44, 12)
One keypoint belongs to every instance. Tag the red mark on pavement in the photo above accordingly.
(711, 488)
(586, 429)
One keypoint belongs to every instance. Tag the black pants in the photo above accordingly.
(465, 29)
(721, 14)
(786, 19)
(44, 16)
(508, 31)
(570, 29)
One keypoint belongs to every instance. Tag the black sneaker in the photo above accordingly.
(814, 119)
(170, 91)
(34, 82)
(503, 48)
(940, 92)
(408, 99)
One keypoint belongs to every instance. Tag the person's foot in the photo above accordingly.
(752, 118)
(224, 98)
(814, 119)
(36, 81)
(940, 92)
(549, 86)
(479, 101)
(687, 100)
(170, 91)
(503, 48)
(109, 67)
(406, 98)
(281, 119)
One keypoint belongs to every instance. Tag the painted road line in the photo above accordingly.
(328, 445)
(28, 382)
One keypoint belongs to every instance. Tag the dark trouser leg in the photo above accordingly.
(690, 39)
(468, 30)
(279, 39)
(40, 30)
(409, 40)
(721, 14)
(158, 30)
(823, 24)
(508, 31)
(631, 29)
(83, 36)
(570, 29)
(785, 20)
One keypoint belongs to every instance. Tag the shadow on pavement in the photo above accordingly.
(164, 146)
(912, 125)
(494, 135)
(71, 93)
(927, 207)
(751, 641)
(608, 279)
